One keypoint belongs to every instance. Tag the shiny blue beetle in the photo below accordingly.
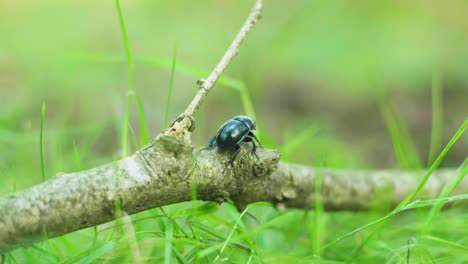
(230, 134)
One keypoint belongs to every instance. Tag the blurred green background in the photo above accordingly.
(349, 84)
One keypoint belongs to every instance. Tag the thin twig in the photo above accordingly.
(185, 123)
(207, 84)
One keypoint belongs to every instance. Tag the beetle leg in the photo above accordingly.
(237, 148)
(252, 135)
(211, 142)
(210, 145)
(254, 148)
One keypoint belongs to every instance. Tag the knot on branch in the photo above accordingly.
(181, 127)
(248, 172)
(172, 144)
(201, 83)
(246, 166)
(250, 166)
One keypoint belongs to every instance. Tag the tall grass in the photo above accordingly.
(405, 150)
(169, 64)
(144, 134)
(447, 190)
(435, 164)
(436, 131)
(77, 156)
(318, 213)
(168, 246)
(170, 86)
(41, 142)
(405, 204)
(409, 206)
(130, 90)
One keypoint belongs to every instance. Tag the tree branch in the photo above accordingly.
(162, 173)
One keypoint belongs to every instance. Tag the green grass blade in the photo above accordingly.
(224, 80)
(130, 238)
(144, 134)
(46, 254)
(437, 201)
(126, 126)
(45, 238)
(12, 258)
(179, 257)
(241, 229)
(164, 63)
(250, 257)
(204, 209)
(134, 136)
(207, 230)
(168, 244)
(91, 255)
(226, 242)
(129, 79)
(405, 149)
(245, 235)
(447, 191)
(247, 103)
(298, 141)
(41, 142)
(355, 231)
(447, 242)
(318, 212)
(77, 156)
(436, 131)
(95, 236)
(169, 88)
(15, 183)
(435, 164)
(413, 205)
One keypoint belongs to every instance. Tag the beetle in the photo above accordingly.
(230, 134)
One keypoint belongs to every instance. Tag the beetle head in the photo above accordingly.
(247, 121)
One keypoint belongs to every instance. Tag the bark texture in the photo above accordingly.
(162, 173)
(157, 175)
